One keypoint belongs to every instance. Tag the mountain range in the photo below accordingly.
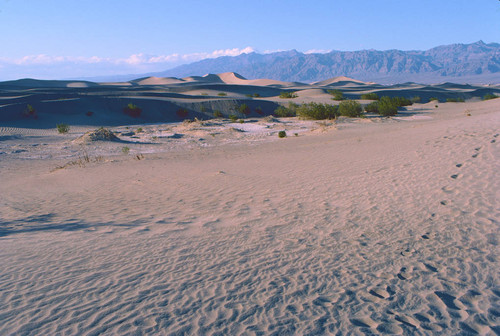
(477, 62)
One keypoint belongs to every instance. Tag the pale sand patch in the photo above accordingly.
(360, 229)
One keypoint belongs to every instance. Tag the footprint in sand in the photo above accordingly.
(475, 155)
(404, 273)
(458, 165)
(380, 293)
(454, 176)
(443, 202)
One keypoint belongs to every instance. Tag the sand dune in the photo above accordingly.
(358, 226)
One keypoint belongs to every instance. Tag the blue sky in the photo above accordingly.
(64, 38)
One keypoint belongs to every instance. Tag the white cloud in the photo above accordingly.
(317, 51)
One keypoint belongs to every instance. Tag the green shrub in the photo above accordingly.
(62, 128)
(282, 134)
(244, 109)
(222, 94)
(415, 99)
(204, 94)
(337, 94)
(317, 111)
(372, 107)
(233, 117)
(259, 111)
(241, 121)
(350, 108)
(284, 112)
(256, 95)
(489, 96)
(370, 96)
(387, 107)
(401, 101)
(433, 99)
(455, 100)
(125, 150)
(139, 130)
(249, 95)
(217, 114)
(286, 94)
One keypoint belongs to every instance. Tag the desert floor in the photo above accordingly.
(366, 226)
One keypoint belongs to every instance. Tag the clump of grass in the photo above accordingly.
(139, 130)
(416, 99)
(125, 150)
(433, 99)
(222, 94)
(244, 109)
(288, 95)
(241, 121)
(233, 117)
(217, 114)
(259, 110)
(204, 94)
(256, 95)
(83, 159)
(282, 134)
(30, 111)
(62, 128)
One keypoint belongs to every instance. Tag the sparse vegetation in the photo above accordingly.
(282, 134)
(256, 95)
(489, 96)
(350, 108)
(259, 110)
(455, 100)
(62, 128)
(233, 117)
(317, 111)
(222, 94)
(337, 94)
(125, 150)
(132, 110)
(139, 130)
(241, 121)
(244, 109)
(433, 99)
(370, 96)
(29, 111)
(217, 114)
(415, 99)
(204, 94)
(288, 95)
(285, 112)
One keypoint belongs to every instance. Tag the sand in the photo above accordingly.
(363, 226)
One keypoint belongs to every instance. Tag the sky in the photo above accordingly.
(56, 39)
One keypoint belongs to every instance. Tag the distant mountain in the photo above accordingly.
(461, 63)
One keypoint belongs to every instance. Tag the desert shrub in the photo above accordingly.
(317, 111)
(415, 99)
(132, 110)
(350, 108)
(217, 114)
(62, 128)
(387, 107)
(249, 95)
(222, 94)
(455, 100)
(489, 96)
(203, 109)
(401, 101)
(282, 134)
(233, 117)
(241, 121)
(204, 94)
(139, 130)
(337, 94)
(244, 109)
(284, 112)
(286, 94)
(370, 96)
(182, 113)
(29, 111)
(372, 107)
(433, 99)
(256, 95)
(125, 150)
(259, 110)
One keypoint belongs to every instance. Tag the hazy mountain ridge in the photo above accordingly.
(476, 62)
